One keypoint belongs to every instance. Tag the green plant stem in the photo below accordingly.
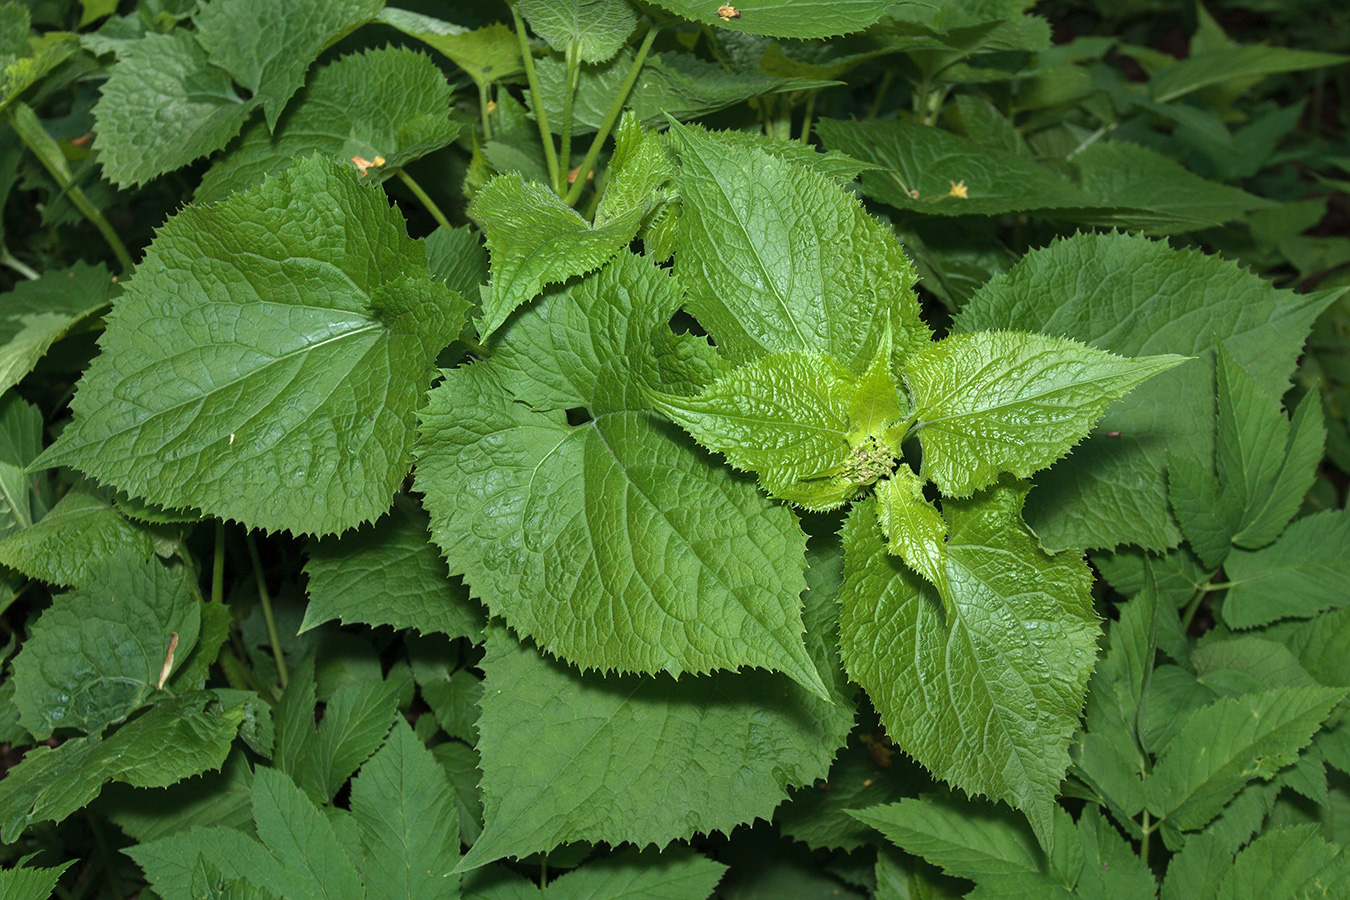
(806, 117)
(1192, 608)
(48, 152)
(282, 675)
(540, 115)
(424, 199)
(18, 265)
(1147, 827)
(114, 883)
(882, 88)
(218, 566)
(483, 101)
(569, 98)
(611, 117)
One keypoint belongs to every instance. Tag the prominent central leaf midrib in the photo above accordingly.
(674, 529)
(1043, 396)
(252, 373)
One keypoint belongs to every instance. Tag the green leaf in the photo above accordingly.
(1292, 862)
(967, 838)
(309, 329)
(409, 826)
(1136, 188)
(963, 25)
(1246, 64)
(986, 694)
(170, 862)
(35, 58)
(164, 105)
(460, 764)
(603, 540)
(674, 874)
(267, 47)
(301, 839)
(213, 798)
(572, 757)
(788, 418)
(388, 573)
(1228, 743)
(597, 28)
(1120, 293)
(993, 402)
(486, 54)
(20, 443)
(931, 161)
(1322, 646)
(914, 529)
(391, 103)
(1303, 572)
(1206, 513)
(31, 883)
(453, 694)
(457, 257)
(779, 259)
(81, 531)
(1274, 503)
(1111, 869)
(177, 738)
(785, 18)
(837, 166)
(39, 313)
(639, 167)
(536, 240)
(96, 655)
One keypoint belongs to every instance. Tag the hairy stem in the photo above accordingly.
(569, 98)
(540, 115)
(611, 118)
(425, 199)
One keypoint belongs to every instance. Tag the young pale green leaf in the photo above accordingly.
(985, 694)
(784, 18)
(31, 883)
(1120, 293)
(595, 28)
(301, 839)
(97, 654)
(391, 104)
(267, 46)
(306, 323)
(604, 541)
(1206, 513)
(536, 240)
(388, 573)
(990, 402)
(1287, 863)
(164, 105)
(1273, 504)
(779, 259)
(33, 59)
(39, 313)
(20, 443)
(786, 417)
(638, 169)
(573, 757)
(934, 172)
(486, 54)
(914, 529)
(177, 738)
(673, 874)
(1244, 64)
(967, 838)
(1227, 744)
(1301, 573)
(170, 862)
(409, 827)
(81, 531)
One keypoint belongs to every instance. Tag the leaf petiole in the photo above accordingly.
(266, 599)
(537, 97)
(424, 198)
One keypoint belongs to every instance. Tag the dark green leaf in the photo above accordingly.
(1303, 572)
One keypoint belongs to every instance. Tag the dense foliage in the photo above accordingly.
(593, 448)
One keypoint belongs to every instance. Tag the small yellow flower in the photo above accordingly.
(363, 164)
(959, 190)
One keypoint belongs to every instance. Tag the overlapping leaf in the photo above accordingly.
(785, 18)
(1303, 572)
(37, 314)
(82, 530)
(1012, 652)
(597, 28)
(267, 359)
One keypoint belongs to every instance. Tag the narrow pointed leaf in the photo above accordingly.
(1206, 513)
(993, 402)
(1302, 573)
(308, 330)
(1275, 503)
(966, 838)
(915, 531)
(301, 839)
